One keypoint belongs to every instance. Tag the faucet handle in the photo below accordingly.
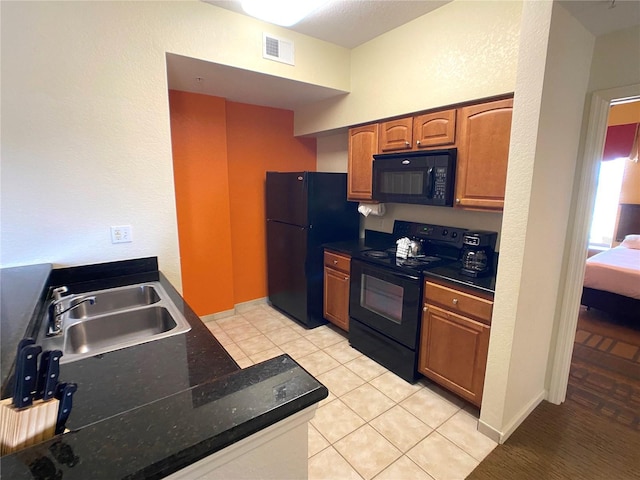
(57, 292)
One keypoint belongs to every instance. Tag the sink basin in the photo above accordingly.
(120, 317)
(105, 331)
(115, 299)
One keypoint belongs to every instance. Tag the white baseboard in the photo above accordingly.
(239, 308)
(489, 431)
(502, 436)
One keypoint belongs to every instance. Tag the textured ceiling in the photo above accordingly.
(350, 23)
(604, 16)
(335, 21)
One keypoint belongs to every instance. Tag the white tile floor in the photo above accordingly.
(373, 425)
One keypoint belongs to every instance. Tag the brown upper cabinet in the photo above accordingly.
(430, 130)
(481, 132)
(484, 131)
(363, 144)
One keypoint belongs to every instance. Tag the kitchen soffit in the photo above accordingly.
(334, 23)
(238, 85)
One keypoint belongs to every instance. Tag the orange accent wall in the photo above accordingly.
(259, 139)
(221, 152)
(199, 145)
(624, 113)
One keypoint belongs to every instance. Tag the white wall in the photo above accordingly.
(459, 52)
(331, 152)
(553, 71)
(85, 119)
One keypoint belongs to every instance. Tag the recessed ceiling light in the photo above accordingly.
(281, 12)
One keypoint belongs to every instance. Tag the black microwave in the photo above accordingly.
(425, 178)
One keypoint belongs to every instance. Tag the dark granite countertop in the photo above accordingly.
(451, 273)
(20, 292)
(150, 410)
(373, 240)
(346, 247)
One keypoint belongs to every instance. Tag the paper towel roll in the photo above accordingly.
(376, 209)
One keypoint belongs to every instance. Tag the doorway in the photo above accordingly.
(577, 239)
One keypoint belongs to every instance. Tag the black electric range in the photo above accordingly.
(385, 296)
(441, 246)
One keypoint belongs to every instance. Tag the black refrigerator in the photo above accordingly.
(304, 211)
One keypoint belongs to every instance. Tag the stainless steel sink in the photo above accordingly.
(118, 328)
(115, 299)
(120, 317)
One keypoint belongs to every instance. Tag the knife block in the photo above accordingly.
(28, 426)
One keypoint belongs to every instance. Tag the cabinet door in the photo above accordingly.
(435, 129)
(483, 152)
(396, 135)
(336, 297)
(453, 352)
(363, 144)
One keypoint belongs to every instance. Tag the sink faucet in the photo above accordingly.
(56, 311)
(57, 292)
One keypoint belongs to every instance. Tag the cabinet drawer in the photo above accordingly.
(337, 261)
(459, 302)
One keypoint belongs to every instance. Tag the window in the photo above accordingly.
(606, 206)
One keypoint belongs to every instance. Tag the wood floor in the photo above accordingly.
(595, 433)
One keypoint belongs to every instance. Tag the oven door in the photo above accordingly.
(386, 300)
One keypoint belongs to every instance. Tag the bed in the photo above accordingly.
(612, 277)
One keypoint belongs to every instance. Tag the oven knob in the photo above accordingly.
(445, 232)
(454, 234)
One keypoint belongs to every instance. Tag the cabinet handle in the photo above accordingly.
(417, 143)
(457, 200)
(335, 262)
(346, 278)
(407, 144)
(455, 301)
(425, 308)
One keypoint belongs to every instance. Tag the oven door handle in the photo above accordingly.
(406, 276)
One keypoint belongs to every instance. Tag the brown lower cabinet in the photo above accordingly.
(337, 268)
(455, 340)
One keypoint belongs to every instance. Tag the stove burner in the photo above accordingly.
(376, 254)
(417, 261)
(412, 262)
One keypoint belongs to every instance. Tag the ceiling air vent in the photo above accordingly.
(277, 49)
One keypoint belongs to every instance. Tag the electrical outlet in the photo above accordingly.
(121, 234)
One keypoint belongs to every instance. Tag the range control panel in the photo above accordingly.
(435, 234)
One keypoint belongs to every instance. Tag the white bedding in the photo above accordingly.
(616, 270)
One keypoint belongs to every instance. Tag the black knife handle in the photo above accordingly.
(48, 374)
(42, 374)
(25, 342)
(64, 393)
(26, 375)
